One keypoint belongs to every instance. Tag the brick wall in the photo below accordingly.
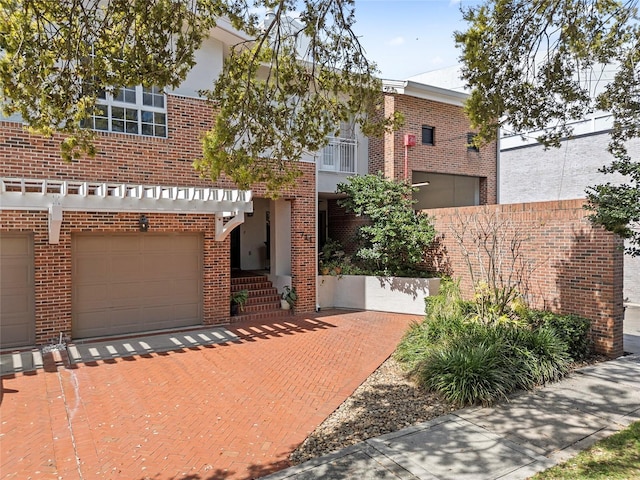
(344, 226)
(141, 160)
(449, 154)
(303, 239)
(575, 268)
(53, 262)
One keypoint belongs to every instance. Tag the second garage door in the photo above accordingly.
(17, 304)
(135, 282)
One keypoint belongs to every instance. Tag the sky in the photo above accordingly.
(408, 37)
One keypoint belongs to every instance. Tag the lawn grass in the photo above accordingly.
(613, 458)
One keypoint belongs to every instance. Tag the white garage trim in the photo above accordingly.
(57, 196)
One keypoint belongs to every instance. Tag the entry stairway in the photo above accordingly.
(263, 302)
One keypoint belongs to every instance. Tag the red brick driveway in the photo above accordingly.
(233, 410)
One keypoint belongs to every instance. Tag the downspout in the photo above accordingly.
(316, 242)
(498, 166)
(406, 161)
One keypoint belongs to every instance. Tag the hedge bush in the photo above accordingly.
(468, 361)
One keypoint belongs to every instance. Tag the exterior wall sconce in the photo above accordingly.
(249, 214)
(143, 223)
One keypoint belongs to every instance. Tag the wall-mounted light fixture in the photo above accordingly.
(421, 184)
(143, 223)
(249, 214)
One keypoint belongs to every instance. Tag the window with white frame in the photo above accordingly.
(136, 110)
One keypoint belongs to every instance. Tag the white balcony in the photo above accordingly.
(339, 155)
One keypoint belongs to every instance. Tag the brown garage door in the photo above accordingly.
(17, 305)
(135, 283)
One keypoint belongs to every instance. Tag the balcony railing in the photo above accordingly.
(339, 155)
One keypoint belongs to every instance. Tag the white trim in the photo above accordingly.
(224, 229)
(35, 194)
(424, 91)
(55, 222)
(55, 196)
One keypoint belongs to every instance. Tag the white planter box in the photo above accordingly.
(385, 294)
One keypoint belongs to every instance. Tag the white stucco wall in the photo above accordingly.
(384, 294)
(207, 68)
(280, 237)
(533, 174)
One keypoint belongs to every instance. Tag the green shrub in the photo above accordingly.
(395, 235)
(444, 321)
(571, 329)
(448, 302)
(415, 344)
(468, 372)
(471, 362)
(468, 360)
(540, 355)
(421, 338)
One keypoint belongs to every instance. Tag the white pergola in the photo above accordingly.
(57, 196)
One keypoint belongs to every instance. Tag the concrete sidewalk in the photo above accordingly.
(530, 433)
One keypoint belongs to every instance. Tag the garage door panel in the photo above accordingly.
(188, 265)
(185, 290)
(15, 246)
(15, 272)
(90, 245)
(163, 244)
(186, 311)
(12, 329)
(93, 269)
(122, 244)
(173, 316)
(92, 297)
(95, 323)
(124, 319)
(128, 266)
(14, 302)
(125, 290)
(17, 299)
(150, 281)
(163, 313)
(160, 290)
(157, 267)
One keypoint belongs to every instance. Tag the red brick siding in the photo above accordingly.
(343, 226)
(53, 262)
(578, 268)
(449, 155)
(303, 241)
(141, 160)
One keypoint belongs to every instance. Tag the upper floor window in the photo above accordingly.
(137, 110)
(470, 145)
(428, 135)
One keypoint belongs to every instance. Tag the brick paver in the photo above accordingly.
(232, 410)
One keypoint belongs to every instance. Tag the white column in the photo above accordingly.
(281, 238)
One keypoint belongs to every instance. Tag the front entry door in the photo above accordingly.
(235, 248)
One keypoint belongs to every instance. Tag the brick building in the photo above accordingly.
(431, 151)
(133, 239)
